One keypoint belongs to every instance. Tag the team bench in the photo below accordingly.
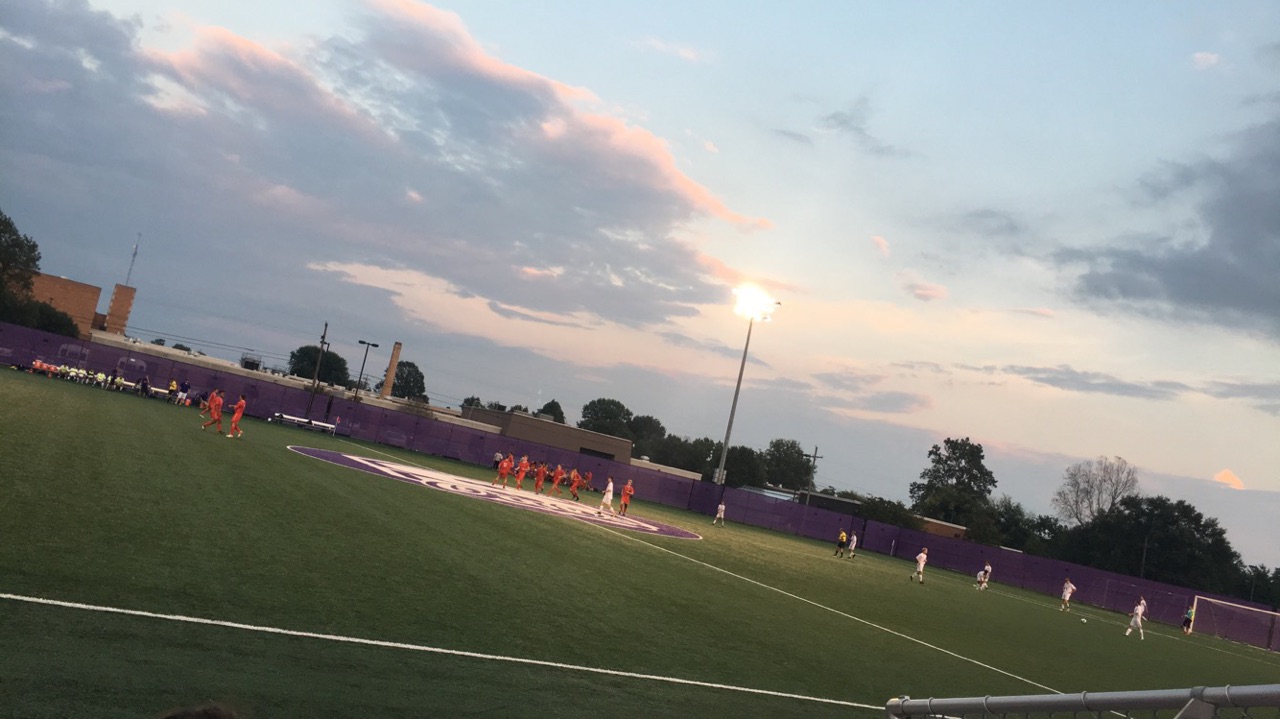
(303, 422)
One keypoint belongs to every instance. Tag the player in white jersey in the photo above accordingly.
(1135, 618)
(984, 576)
(921, 559)
(1067, 590)
(719, 515)
(853, 542)
(607, 500)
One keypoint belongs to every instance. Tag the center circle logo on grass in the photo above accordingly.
(584, 511)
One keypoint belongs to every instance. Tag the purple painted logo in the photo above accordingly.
(435, 479)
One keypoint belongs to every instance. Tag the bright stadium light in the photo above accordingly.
(756, 305)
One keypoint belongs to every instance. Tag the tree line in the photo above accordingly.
(19, 265)
(1099, 517)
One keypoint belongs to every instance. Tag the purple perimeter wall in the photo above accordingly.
(19, 346)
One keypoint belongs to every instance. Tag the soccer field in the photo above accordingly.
(321, 590)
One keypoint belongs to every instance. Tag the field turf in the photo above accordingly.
(107, 499)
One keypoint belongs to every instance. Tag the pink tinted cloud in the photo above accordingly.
(1228, 478)
(881, 244)
(921, 290)
(636, 153)
(1205, 60)
(716, 268)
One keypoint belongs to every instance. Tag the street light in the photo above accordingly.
(360, 379)
(754, 304)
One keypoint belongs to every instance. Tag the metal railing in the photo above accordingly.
(1193, 703)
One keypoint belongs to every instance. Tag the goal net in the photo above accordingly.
(1235, 622)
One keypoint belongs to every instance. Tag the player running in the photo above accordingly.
(539, 476)
(215, 410)
(521, 470)
(719, 515)
(921, 559)
(504, 470)
(235, 432)
(556, 478)
(627, 491)
(575, 481)
(1135, 618)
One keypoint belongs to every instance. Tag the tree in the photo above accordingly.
(553, 411)
(181, 347)
(1160, 539)
(158, 341)
(333, 368)
(519, 408)
(787, 465)
(19, 259)
(31, 313)
(683, 453)
(647, 433)
(879, 509)
(472, 401)
(606, 416)
(496, 406)
(745, 467)
(409, 383)
(1093, 488)
(956, 487)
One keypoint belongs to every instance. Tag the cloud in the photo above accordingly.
(1072, 380)
(1034, 311)
(893, 402)
(1222, 268)
(678, 339)
(848, 380)
(854, 125)
(882, 245)
(684, 52)
(710, 146)
(1228, 478)
(343, 142)
(989, 222)
(796, 137)
(921, 290)
(1205, 60)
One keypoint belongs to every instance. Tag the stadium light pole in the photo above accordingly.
(360, 379)
(756, 305)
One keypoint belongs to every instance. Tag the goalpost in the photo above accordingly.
(1192, 703)
(1235, 622)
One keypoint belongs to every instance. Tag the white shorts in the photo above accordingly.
(1066, 596)
(919, 569)
(608, 498)
(1135, 622)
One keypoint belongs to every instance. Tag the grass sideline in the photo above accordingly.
(113, 500)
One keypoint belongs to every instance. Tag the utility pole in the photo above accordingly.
(813, 472)
(315, 379)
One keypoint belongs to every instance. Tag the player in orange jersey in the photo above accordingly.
(215, 410)
(627, 491)
(521, 470)
(235, 420)
(575, 481)
(556, 478)
(539, 476)
(504, 469)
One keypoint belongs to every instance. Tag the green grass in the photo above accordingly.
(112, 500)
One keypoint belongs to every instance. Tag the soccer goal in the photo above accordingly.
(1235, 622)
(1193, 703)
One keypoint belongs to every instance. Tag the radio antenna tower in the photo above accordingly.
(133, 259)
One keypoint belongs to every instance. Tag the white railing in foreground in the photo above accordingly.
(1193, 703)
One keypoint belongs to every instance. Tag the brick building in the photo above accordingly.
(80, 301)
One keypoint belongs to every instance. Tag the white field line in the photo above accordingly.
(815, 604)
(836, 611)
(1092, 614)
(428, 649)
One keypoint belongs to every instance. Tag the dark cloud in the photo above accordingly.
(1064, 377)
(854, 124)
(893, 402)
(798, 137)
(988, 221)
(849, 381)
(682, 340)
(400, 144)
(1225, 270)
(1263, 396)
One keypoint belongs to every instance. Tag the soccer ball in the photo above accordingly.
(1083, 620)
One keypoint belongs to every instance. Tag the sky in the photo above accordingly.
(1050, 228)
